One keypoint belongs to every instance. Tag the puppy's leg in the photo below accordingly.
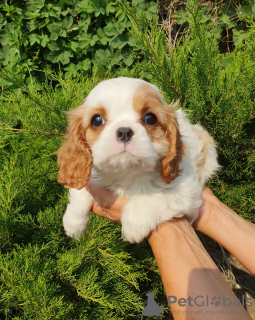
(143, 214)
(138, 219)
(76, 217)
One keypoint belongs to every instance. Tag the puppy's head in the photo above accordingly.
(124, 124)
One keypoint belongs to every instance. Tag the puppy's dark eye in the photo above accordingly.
(149, 119)
(97, 121)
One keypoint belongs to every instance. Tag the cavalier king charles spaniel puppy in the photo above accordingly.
(130, 141)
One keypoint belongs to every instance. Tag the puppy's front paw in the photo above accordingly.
(134, 231)
(75, 226)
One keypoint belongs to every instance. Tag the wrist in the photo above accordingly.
(168, 230)
(178, 239)
(209, 212)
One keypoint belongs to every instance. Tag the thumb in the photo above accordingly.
(97, 209)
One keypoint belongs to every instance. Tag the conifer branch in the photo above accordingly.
(13, 79)
(29, 131)
(145, 41)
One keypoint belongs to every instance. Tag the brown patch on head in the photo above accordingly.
(74, 156)
(147, 100)
(165, 131)
(92, 133)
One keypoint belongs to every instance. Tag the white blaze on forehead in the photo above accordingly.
(116, 96)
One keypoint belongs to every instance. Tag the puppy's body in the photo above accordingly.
(131, 142)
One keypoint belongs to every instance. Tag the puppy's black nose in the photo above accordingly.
(124, 134)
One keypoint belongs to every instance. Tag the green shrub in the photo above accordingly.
(72, 36)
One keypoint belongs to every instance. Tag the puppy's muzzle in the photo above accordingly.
(124, 134)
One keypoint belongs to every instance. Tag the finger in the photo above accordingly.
(98, 210)
(106, 213)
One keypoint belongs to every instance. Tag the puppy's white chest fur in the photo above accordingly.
(130, 141)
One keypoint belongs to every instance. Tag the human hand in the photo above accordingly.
(106, 205)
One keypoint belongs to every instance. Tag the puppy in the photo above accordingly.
(130, 141)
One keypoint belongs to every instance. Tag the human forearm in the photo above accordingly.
(186, 268)
(188, 272)
(223, 225)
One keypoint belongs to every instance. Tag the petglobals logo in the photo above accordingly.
(200, 304)
(151, 308)
(206, 301)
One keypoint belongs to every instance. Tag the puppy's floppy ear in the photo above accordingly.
(169, 169)
(74, 157)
